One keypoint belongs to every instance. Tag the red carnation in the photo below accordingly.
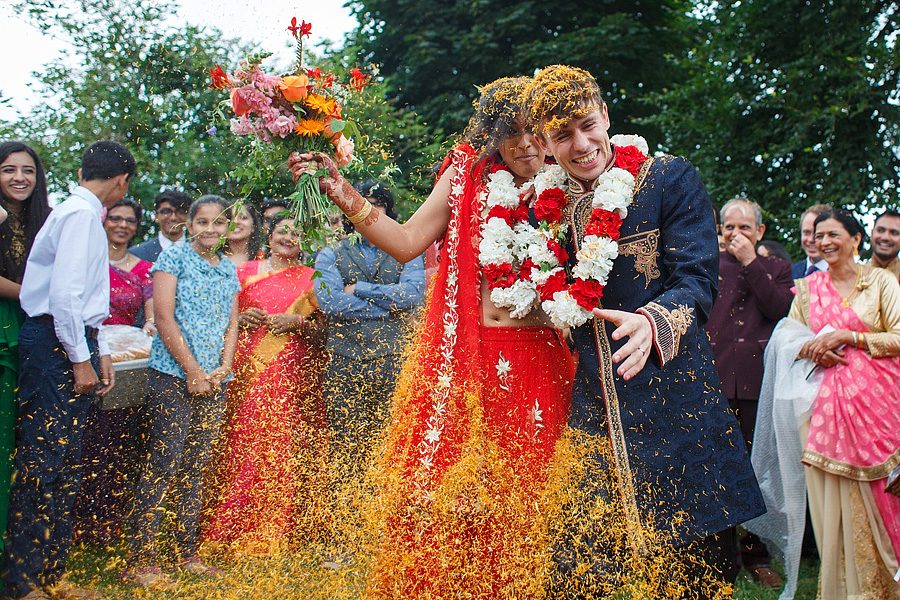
(561, 255)
(587, 293)
(501, 212)
(499, 276)
(629, 158)
(555, 283)
(604, 223)
(525, 268)
(520, 213)
(549, 205)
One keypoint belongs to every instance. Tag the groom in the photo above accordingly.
(646, 377)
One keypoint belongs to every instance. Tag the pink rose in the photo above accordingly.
(343, 151)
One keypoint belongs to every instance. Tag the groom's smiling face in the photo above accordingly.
(581, 146)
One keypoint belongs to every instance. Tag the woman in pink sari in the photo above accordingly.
(853, 438)
(270, 472)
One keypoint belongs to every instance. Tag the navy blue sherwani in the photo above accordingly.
(678, 449)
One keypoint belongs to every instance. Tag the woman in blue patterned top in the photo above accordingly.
(195, 304)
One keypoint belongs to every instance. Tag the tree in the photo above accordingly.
(434, 64)
(791, 103)
(139, 82)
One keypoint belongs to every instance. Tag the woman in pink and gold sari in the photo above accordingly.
(853, 438)
(270, 472)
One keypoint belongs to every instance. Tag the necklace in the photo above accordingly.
(845, 301)
(120, 262)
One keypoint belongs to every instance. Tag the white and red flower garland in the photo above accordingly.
(524, 265)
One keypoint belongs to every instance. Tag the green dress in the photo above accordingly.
(11, 317)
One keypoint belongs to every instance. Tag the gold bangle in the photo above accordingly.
(360, 216)
(862, 340)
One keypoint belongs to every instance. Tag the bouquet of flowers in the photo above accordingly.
(301, 111)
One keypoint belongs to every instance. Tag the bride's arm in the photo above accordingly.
(404, 241)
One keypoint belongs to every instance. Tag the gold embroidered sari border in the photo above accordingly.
(843, 469)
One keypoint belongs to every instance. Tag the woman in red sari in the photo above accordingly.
(273, 446)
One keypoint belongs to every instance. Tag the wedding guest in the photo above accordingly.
(368, 297)
(275, 439)
(171, 209)
(65, 293)
(886, 242)
(195, 303)
(813, 261)
(23, 198)
(845, 418)
(272, 208)
(111, 446)
(773, 249)
(754, 294)
(242, 242)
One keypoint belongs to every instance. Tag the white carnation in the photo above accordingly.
(502, 190)
(519, 298)
(525, 236)
(614, 191)
(540, 277)
(540, 254)
(550, 176)
(499, 231)
(631, 140)
(564, 311)
(595, 258)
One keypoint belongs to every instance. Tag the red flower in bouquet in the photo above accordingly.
(314, 73)
(499, 276)
(300, 30)
(549, 205)
(604, 223)
(555, 283)
(587, 293)
(220, 79)
(358, 79)
(629, 158)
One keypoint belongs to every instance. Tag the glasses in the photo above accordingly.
(117, 220)
(168, 212)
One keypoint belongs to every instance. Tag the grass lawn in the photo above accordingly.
(302, 577)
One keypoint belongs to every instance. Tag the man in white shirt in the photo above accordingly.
(171, 208)
(813, 261)
(65, 294)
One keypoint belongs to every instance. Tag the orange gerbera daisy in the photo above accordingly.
(320, 104)
(309, 127)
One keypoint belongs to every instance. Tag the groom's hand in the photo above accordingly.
(633, 354)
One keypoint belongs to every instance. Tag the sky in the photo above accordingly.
(261, 21)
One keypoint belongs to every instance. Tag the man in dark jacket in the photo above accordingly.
(754, 294)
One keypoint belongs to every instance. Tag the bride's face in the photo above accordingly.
(521, 153)
(285, 241)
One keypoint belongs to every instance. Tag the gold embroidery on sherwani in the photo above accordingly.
(644, 248)
(578, 210)
(670, 326)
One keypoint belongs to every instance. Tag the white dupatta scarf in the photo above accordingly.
(789, 388)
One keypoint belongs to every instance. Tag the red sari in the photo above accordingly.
(273, 446)
(475, 419)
